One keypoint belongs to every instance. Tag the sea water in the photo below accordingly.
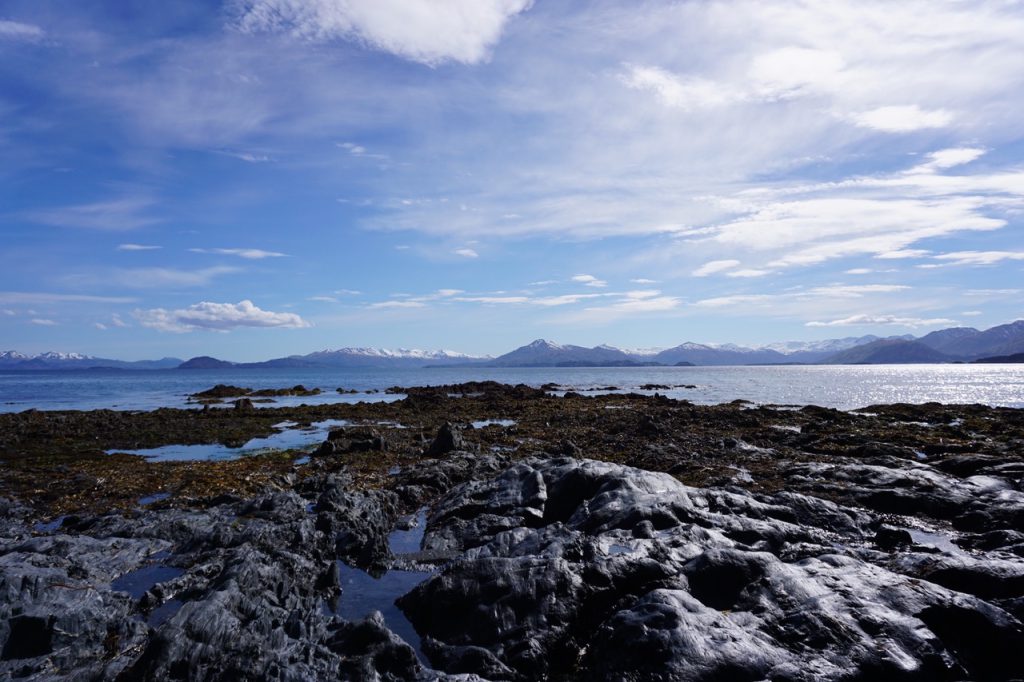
(843, 387)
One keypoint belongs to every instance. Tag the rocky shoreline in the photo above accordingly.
(564, 536)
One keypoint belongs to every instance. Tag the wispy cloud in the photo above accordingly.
(466, 253)
(950, 158)
(42, 322)
(250, 254)
(220, 317)
(248, 157)
(15, 30)
(43, 298)
(117, 215)
(853, 290)
(681, 92)
(137, 247)
(715, 266)
(590, 281)
(150, 278)
(397, 304)
(884, 320)
(420, 30)
(977, 257)
(749, 272)
(903, 118)
(493, 300)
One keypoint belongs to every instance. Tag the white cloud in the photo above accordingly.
(115, 216)
(903, 119)
(859, 271)
(642, 294)
(216, 317)
(398, 304)
(352, 148)
(115, 321)
(323, 299)
(820, 228)
(978, 257)
(749, 272)
(137, 247)
(493, 300)
(250, 254)
(680, 92)
(348, 292)
(427, 31)
(987, 293)
(727, 301)
(643, 280)
(466, 253)
(880, 320)
(972, 313)
(152, 278)
(410, 301)
(798, 300)
(792, 71)
(248, 157)
(853, 290)
(902, 254)
(950, 158)
(589, 280)
(15, 30)
(42, 298)
(715, 266)
(564, 299)
(625, 308)
(43, 322)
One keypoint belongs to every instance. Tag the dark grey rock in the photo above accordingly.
(449, 438)
(604, 572)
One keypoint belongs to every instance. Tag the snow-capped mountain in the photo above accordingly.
(398, 353)
(544, 353)
(382, 357)
(825, 345)
(13, 359)
(63, 357)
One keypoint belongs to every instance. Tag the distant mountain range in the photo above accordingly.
(348, 357)
(14, 360)
(957, 344)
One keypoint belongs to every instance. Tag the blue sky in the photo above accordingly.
(255, 178)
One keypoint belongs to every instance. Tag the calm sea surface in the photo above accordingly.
(845, 387)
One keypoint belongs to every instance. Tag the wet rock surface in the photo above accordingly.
(677, 542)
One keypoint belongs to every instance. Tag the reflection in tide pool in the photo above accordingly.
(504, 423)
(289, 439)
(362, 594)
(138, 582)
